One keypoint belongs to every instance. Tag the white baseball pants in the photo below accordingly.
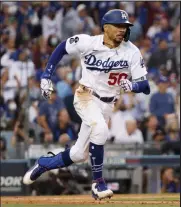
(95, 115)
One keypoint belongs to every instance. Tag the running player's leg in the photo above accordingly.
(79, 152)
(98, 138)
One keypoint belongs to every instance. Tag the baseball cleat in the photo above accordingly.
(43, 164)
(100, 190)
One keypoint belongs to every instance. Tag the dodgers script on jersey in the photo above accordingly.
(102, 67)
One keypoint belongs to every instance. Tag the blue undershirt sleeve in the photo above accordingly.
(54, 59)
(141, 87)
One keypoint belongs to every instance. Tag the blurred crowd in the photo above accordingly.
(30, 31)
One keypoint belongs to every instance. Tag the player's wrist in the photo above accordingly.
(135, 87)
(50, 68)
(46, 75)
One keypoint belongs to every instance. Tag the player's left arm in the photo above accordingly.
(139, 82)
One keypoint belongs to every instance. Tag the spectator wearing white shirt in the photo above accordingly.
(132, 135)
(155, 28)
(135, 105)
(17, 75)
(118, 119)
(70, 20)
(87, 24)
(51, 24)
(6, 61)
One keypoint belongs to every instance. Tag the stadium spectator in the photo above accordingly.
(35, 20)
(96, 30)
(48, 114)
(136, 30)
(70, 20)
(174, 13)
(127, 6)
(100, 8)
(43, 62)
(33, 111)
(52, 42)
(150, 127)
(165, 33)
(169, 183)
(86, 24)
(176, 38)
(63, 86)
(135, 105)
(3, 149)
(162, 103)
(76, 69)
(7, 57)
(118, 118)
(33, 92)
(146, 49)
(65, 132)
(155, 27)
(132, 135)
(159, 136)
(173, 87)
(68, 100)
(22, 136)
(172, 128)
(163, 56)
(18, 74)
(51, 23)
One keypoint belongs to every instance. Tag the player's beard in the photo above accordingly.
(119, 37)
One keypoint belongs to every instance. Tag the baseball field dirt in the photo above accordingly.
(137, 200)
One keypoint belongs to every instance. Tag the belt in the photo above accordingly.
(105, 99)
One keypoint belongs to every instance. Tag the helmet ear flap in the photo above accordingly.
(126, 36)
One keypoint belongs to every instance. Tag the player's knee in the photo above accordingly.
(99, 133)
(78, 155)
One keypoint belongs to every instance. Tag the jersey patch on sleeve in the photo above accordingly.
(73, 39)
(142, 63)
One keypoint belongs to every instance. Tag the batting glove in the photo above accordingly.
(126, 85)
(46, 88)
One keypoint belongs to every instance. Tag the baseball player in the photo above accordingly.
(108, 62)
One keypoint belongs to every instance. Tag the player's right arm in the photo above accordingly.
(73, 45)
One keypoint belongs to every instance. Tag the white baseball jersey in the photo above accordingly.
(102, 67)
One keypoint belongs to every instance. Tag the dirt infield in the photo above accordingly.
(162, 199)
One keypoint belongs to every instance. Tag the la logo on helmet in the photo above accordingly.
(124, 16)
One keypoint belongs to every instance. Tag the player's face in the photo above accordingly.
(116, 32)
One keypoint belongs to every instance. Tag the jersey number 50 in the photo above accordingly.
(114, 78)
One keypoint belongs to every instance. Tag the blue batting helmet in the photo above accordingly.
(117, 16)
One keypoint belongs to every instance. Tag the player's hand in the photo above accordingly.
(126, 85)
(46, 88)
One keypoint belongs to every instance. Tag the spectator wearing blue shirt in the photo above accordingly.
(43, 60)
(169, 183)
(48, 114)
(65, 132)
(100, 8)
(136, 30)
(162, 103)
(165, 33)
(63, 87)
